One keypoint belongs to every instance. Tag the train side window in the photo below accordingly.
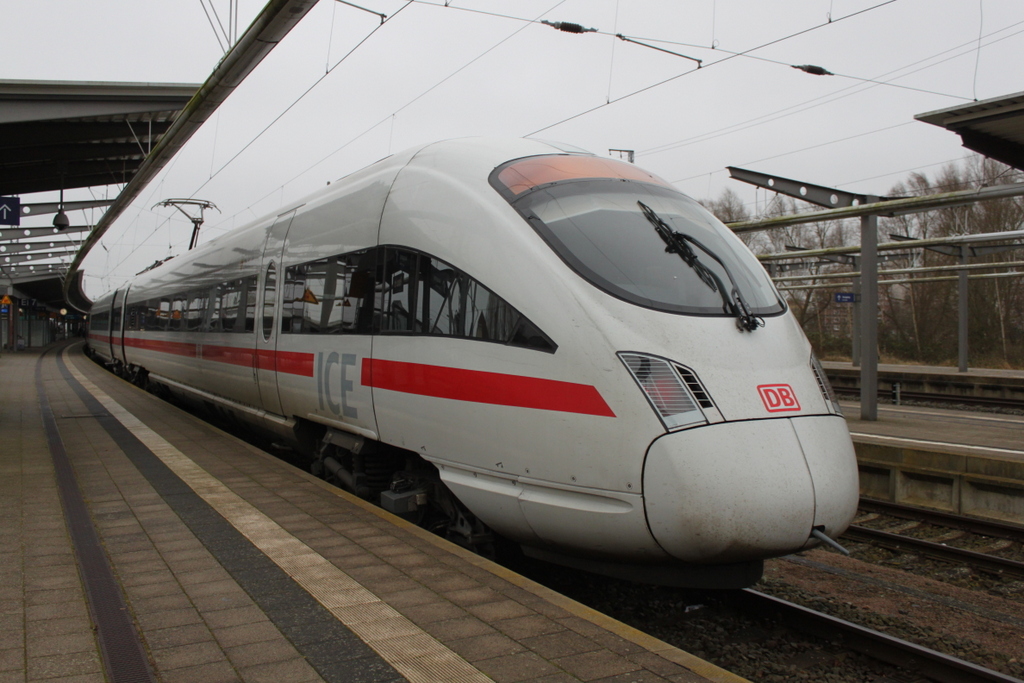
(150, 324)
(444, 299)
(423, 294)
(251, 287)
(230, 297)
(115, 320)
(178, 305)
(489, 316)
(269, 296)
(401, 281)
(100, 322)
(197, 303)
(214, 325)
(295, 297)
(153, 320)
(330, 296)
(164, 314)
(359, 272)
(529, 335)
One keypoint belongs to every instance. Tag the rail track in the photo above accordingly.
(976, 525)
(926, 397)
(941, 551)
(905, 655)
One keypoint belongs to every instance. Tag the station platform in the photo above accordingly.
(965, 462)
(944, 430)
(977, 385)
(139, 543)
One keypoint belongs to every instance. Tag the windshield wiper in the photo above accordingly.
(676, 243)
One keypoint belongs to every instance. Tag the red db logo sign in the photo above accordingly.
(778, 398)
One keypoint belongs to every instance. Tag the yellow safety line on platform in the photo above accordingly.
(411, 651)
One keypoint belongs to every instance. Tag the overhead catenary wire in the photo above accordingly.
(214, 26)
(806, 149)
(720, 61)
(300, 97)
(824, 99)
(317, 82)
(421, 95)
(391, 116)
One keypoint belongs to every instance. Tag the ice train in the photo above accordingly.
(517, 339)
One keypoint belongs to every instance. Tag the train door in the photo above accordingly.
(268, 313)
(116, 337)
(122, 325)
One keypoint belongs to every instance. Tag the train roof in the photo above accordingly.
(462, 157)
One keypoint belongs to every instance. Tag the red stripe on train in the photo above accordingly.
(290, 362)
(232, 355)
(176, 348)
(484, 387)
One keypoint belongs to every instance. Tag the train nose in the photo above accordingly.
(736, 491)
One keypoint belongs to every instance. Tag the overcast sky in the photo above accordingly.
(433, 72)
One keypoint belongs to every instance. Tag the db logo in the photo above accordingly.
(778, 398)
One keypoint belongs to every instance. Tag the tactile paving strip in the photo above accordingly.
(122, 652)
(415, 654)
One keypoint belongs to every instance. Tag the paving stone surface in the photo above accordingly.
(209, 606)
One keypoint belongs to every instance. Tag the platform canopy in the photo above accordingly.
(59, 135)
(994, 128)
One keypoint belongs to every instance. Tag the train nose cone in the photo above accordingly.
(745, 490)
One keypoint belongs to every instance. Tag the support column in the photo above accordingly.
(869, 317)
(857, 308)
(962, 300)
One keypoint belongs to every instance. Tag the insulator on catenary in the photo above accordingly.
(568, 27)
(813, 70)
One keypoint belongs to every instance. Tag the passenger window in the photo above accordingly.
(197, 303)
(408, 292)
(330, 296)
(231, 306)
(215, 308)
(297, 298)
(444, 299)
(422, 294)
(399, 292)
(164, 315)
(251, 288)
(152, 322)
(178, 306)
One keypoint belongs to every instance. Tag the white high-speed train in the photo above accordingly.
(514, 337)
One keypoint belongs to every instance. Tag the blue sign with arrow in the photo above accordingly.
(10, 211)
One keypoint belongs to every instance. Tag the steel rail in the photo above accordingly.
(939, 398)
(883, 647)
(1013, 532)
(939, 551)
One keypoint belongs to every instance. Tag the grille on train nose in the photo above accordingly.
(674, 392)
(827, 392)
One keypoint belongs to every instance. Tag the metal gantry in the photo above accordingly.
(868, 208)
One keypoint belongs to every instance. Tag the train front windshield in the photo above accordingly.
(634, 236)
